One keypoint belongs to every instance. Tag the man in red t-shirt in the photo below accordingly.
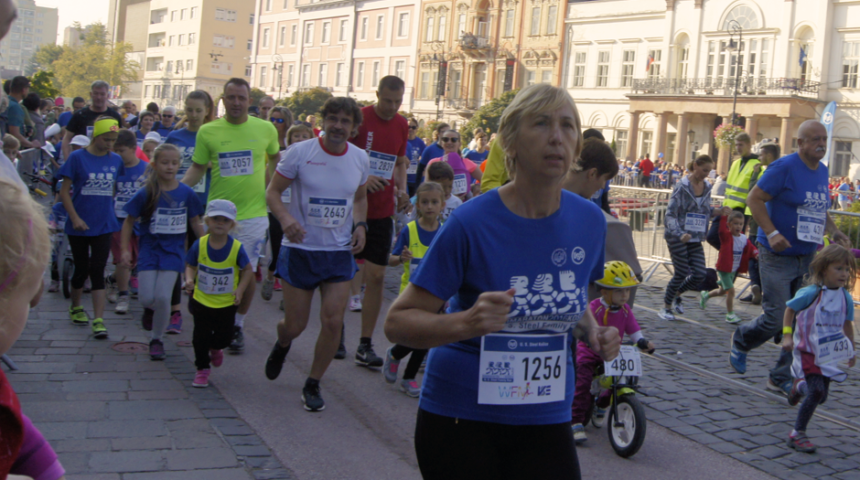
(645, 169)
(383, 134)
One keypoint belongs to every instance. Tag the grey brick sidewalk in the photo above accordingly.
(112, 415)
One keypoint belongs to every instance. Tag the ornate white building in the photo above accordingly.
(657, 76)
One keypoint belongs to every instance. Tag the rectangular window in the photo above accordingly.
(290, 71)
(183, 14)
(250, 44)
(620, 143)
(628, 61)
(530, 78)
(146, 91)
(428, 31)
(250, 19)
(193, 12)
(535, 30)
(343, 30)
(850, 62)
(338, 77)
(842, 159)
(375, 77)
(403, 25)
(170, 40)
(654, 70)
(321, 79)
(509, 23)
(551, 20)
(364, 23)
(443, 24)
(579, 69)
(425, 85)
(763, 59)
(309, 33)
(400, 69)
(282, 38)
(359, 75)
(192, 38)
(712, 59)
(170, 65)
(293, 34)
(156, 91)
(306, 75)
(380, 26)
(647, 140)
(189, 66)
(546, 76)
(181, 40)
(262, 77)
(326, 32)
(268, 5)
(456, 84)
(173, 16)
(683, 62)
(603, 68)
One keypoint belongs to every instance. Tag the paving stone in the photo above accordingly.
(126, 429)
(732, 435)
(840, 464)
(43, 367)
(159, 385)
(726, 447)
(81, 445)
(95, 385)
(848, 476)
(220, 413)
(156, 395)
(198, 458)
(152, 409)
(62, 430)
(219, 474)
(142, 443)
(252, 450)
(771, 452)
(132, 461)
(705, 438)
(243, 440)
(765, 440)
(272, 474)
(63, 411)
(815, 470)
(265, 463)
(96, 476)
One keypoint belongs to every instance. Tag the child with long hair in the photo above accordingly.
(222, 271)
(822, 337)
(412, 244)
(165, 207)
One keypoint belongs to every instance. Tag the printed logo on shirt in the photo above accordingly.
(577, 255)
(502, 372)
(540, 305)
(99, 185)
(559, 257)
(816, 201)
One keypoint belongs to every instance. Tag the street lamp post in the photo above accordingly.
(733, 27)
(277, 58)
(441, 75)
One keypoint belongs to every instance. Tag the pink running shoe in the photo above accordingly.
(216, 357)
(175, 326)
(201, 380)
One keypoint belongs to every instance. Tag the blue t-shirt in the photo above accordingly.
(843, 188)
(218, 255)
(127, 186)
(483, 247)
(798, 194)
(424, 236)
(64, 119)
(806, 295)
(186, 140)
(597, 198)
(93, 186)
(432, 151)
(478, 158)
(161, 129)
(15, 114)
(414, 149)
(164, 249)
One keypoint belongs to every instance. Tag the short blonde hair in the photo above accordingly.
(25, 243)
(529, 102)
(149, 141)
(9, 141)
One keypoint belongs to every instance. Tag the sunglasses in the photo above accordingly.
(277, 120)
(413, 128)
(450, 139)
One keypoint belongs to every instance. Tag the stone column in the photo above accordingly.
(660, 142)
(681, 155)
(724, 160)
(633, 137)
(752, 127)
(785, 135)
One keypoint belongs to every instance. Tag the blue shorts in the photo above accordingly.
(307, 269)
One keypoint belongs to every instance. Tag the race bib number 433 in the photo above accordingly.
(522, 369)
(234, 164)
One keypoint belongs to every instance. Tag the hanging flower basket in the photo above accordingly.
(725, 134)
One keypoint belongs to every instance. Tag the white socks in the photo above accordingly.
(240, 320)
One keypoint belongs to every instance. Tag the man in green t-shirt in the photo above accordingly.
(235, 147)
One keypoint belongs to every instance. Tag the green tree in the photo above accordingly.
(95, 59)
(487, 117)
(256, 96)
(307, 102)
(42, 82)
(44, 58)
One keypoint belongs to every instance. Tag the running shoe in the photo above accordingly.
(146, 319)
(801, 443)
(132, 286)
(579, 433)
(784, 388)
(278, 285)
(78, 316)
(798, 390)
(216, 357)
(733, 318)
(201, 379)
(156, 350)
(99, 329)
(355, 303)
(268, 289)
(704, 296)
(238, 343)
(275, 362)
(340, 354)
(110, 288)
(737, 358)
(390, 366)
(121, 305)
(55, 286)
(312, 399)
(410, 388)
(666, 314)
(748, 298)
(175, 326)
(756, 293)
(677, 307)
(366, 357)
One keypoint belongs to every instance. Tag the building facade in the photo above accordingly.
(343, 46)
(34, 27)
(658, 76)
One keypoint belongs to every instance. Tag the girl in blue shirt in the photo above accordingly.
(414, 148)
(91, 174)
(166, 207)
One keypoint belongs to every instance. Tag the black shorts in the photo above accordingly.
(377, 246)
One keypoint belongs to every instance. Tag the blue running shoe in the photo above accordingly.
(737, 358)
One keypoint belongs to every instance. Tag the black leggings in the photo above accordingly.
(399, 352)
(91, 255)
(276, 235)
(451, 449)
(213, 330)
(817, 387)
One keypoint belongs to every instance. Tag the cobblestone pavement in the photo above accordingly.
(111, 415)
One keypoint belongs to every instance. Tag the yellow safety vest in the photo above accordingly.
(748, 212)
(212, 276)
(738, 183)
(418, 250)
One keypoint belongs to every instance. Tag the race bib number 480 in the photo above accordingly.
(628, 363)
(522, 369)
(382, 164)
(233, 164)
(327, 212)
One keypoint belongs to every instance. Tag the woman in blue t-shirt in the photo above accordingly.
(501, 355)
(414, 148)
(91, 174)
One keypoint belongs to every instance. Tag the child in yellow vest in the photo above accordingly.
(222, 270)
(412, 244)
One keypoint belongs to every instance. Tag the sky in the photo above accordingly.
(71, 11)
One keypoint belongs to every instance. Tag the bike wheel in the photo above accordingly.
(627, 426)
(68, 271)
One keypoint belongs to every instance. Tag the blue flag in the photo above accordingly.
(827, 118)
(802, 56)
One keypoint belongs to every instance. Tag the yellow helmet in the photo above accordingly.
(617, 274)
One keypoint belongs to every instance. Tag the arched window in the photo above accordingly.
(682, 54)
(744, 15)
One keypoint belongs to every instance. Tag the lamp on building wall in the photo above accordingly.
(733, 27)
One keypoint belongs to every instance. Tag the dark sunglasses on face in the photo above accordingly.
(277, 120)
(167, 116)
(450, 139)
(413, 127)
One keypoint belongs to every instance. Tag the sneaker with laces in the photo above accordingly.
(99, 329)
(666, 314)
(366, 357)
(737, 358)
(238, 343)
(278, 285)
(801, 443)
(746, 298)
(275, 362)
(78, 316)
(268, 289)
(156, 350)
(312, 399)
(175, 326)
(55, 286)
(146, 319)
(390, 367)
(798, 390)
(579, 435)
(355, 303)
(201, 379)
(704, 296)
(677, 307)
(410, 388)
(216, 357)
(121, 305)
(733, 318)
(756, 294)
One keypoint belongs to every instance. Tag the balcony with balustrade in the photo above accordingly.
(747, 86)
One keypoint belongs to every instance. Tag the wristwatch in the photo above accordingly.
(362, 224)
